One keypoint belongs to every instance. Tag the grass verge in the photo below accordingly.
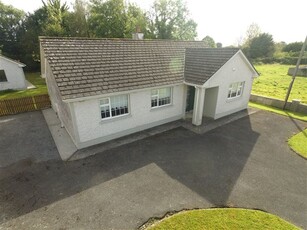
(298, 143)
(36, 80)
(295, 115)
(222, 218)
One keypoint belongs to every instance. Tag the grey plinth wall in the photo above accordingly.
(302, 71)
(295, 105)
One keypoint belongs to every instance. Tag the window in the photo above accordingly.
(2, 76)
(235, 90)
(160, 97)
(114, 106)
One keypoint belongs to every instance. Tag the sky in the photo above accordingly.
(226, 21)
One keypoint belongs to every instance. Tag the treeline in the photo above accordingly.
(261, 48)
(19, 31)
(167, 19)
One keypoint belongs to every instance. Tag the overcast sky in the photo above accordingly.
(227, 20)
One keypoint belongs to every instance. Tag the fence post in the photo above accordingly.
(34, 103)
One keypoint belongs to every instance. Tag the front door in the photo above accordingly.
(190, 98)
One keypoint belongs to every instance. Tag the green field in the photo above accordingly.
(35, 79)
(222, 218)
(274, 82)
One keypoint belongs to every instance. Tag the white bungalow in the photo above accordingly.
(103, 89)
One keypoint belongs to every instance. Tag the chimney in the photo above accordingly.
(138, 35)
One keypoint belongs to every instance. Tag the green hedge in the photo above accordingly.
(284, 60)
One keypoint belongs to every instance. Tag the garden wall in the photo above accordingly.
(302, 71)
(295, 105)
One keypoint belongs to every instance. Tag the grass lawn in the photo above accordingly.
(222, 218)
(295, 115)
(35, 79)
(274, 82)
(299, 143)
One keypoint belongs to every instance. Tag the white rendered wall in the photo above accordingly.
(235, 70)
(211, 96)
(14, 74)
(62, 109)
(92, 129)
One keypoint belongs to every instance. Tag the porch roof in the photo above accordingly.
(201, 64)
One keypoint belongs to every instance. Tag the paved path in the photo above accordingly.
(246, 163)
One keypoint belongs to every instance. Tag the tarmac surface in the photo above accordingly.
(25, 138)
(246, 163)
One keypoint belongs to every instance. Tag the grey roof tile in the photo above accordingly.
(201, 64)
(114, 63)
(88, 67)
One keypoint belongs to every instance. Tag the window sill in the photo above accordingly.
(113, 119)
(233, 99)
(160, 107)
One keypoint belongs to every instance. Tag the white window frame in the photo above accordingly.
(237, 88)
(157, 96)
(110, 107)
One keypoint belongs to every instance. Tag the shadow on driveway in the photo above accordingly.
(207, 164)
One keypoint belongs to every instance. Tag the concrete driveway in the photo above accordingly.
(246, 163)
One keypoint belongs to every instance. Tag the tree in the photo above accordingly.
(76, 21)
(32, 28)
(57, 13)
(262, 46)
(135, 19)
(219, 45)
(10, 25)
(278, 50)
(239, 42)
(279, 46)
(209, 42)
(169, 19)
(107, 18)
(293, 47)
(252, 32)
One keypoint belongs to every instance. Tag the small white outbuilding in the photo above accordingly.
(11, 74)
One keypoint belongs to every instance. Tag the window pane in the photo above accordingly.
(163, 97)
(119, 105)
(239, 91)
(154, 92)
(105, 112)
(166, 92)
(154, 101)
(104, 101)
(235, 89)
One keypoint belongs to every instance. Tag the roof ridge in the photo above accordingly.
(113, 39)
(12, 60)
